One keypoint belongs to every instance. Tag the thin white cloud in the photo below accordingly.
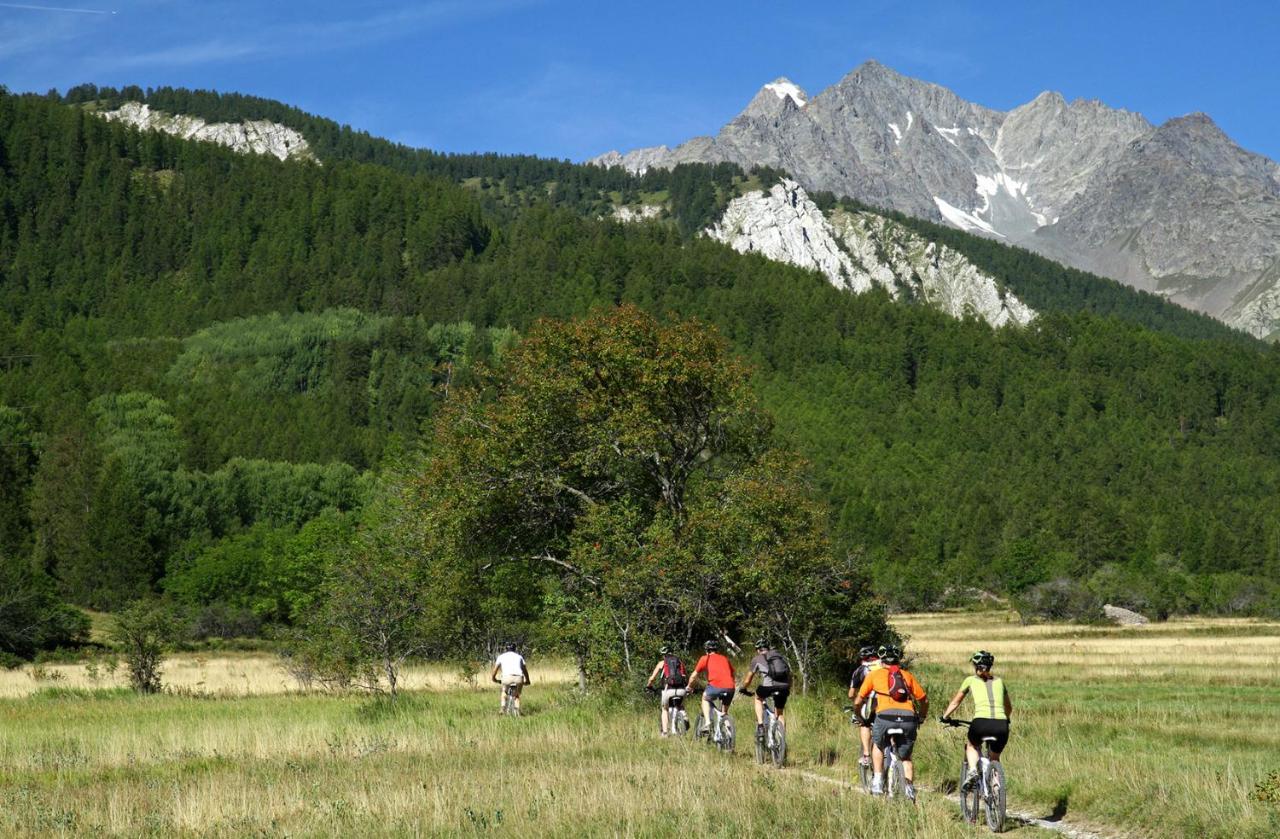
(310, 37)
(25, 7)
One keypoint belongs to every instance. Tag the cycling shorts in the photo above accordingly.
(723, 694)
(669, 694)
(998, 729)
(780, 694)
(906, 740)
(516, 681)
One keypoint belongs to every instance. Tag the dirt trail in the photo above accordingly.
(1068, 830)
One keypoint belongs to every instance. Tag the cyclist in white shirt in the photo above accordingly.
(514, 674)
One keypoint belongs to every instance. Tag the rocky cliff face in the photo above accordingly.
(859, 251)
(250, 136)
(1177, 209)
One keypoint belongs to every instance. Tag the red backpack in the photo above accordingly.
(898, 690)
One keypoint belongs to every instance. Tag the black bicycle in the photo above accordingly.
(988, 793)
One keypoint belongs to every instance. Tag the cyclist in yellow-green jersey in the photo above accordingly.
(991, 711)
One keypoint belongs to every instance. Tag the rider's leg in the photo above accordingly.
(877, 761)
(971, 754)
(519, 690)
(760, 709)
(995, 756)
(864, 735)
(909, 770)
(706, 710)
(663, 715)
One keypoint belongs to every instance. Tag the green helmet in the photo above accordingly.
(982, 659)
(890, 654)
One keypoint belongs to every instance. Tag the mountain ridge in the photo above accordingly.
(1066, 179)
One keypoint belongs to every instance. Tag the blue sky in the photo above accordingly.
(571, 79)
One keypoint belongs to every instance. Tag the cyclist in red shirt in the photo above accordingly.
(721, 682)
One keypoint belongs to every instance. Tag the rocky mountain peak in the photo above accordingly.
(1180, 210)
(778, 98)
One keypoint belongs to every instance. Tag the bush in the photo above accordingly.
(1268, 789)
(32, 618)
(218, 620)
(144, 632)
(1059, 600)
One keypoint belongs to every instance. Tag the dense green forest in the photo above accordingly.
(206, 359)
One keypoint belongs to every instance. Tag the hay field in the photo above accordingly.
(1130, 732)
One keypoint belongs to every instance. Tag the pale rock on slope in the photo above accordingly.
(858, 251)
(250, 136)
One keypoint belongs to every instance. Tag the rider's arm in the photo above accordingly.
(856, 683)
(525, 671)
(958, 698)
(863, 693)
(746, 683)
(1008, 704)
(494, 674)
(921, 698)
(657, 671)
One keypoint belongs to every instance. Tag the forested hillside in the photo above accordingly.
(694, 194)
(207, 358)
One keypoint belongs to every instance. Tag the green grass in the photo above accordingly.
(435, 764)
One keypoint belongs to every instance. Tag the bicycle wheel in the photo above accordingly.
(779, 749)
(968, 798)
(726, 733)
(995, 796)
(680, 725)
(895, 781)
(700, 727)
(865, 771)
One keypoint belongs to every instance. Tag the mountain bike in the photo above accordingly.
(865, 770)
(989, 792)
(677, 719)
(719, 731)
(509, 705)
(895, 778)
(772, 743)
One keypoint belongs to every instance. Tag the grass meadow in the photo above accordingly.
(1127, 732)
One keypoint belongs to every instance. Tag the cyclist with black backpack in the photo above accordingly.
(775, 680)
(675, 683)
(901, 705)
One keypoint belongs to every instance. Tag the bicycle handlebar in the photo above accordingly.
(953, 722)
(746, 692)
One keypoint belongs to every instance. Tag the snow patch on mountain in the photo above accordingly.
(250, 136)
(964, 219)
(784, 88)
(858, 251)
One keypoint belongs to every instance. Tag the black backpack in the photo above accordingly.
(673, 673)
(779, 670)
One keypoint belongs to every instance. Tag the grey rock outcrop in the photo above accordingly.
(250, 136)
(859, 251)
(1178, 209)
(1123, 617)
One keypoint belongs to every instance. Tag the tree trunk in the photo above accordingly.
(582, 673)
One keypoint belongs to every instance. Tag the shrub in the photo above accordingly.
(144, 632)
(1059, 600)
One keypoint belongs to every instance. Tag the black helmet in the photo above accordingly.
(868, 652)
(762, 644)
(665, 650)
(711, 646)
(982, 659)
(890, 654)
(511, 646)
